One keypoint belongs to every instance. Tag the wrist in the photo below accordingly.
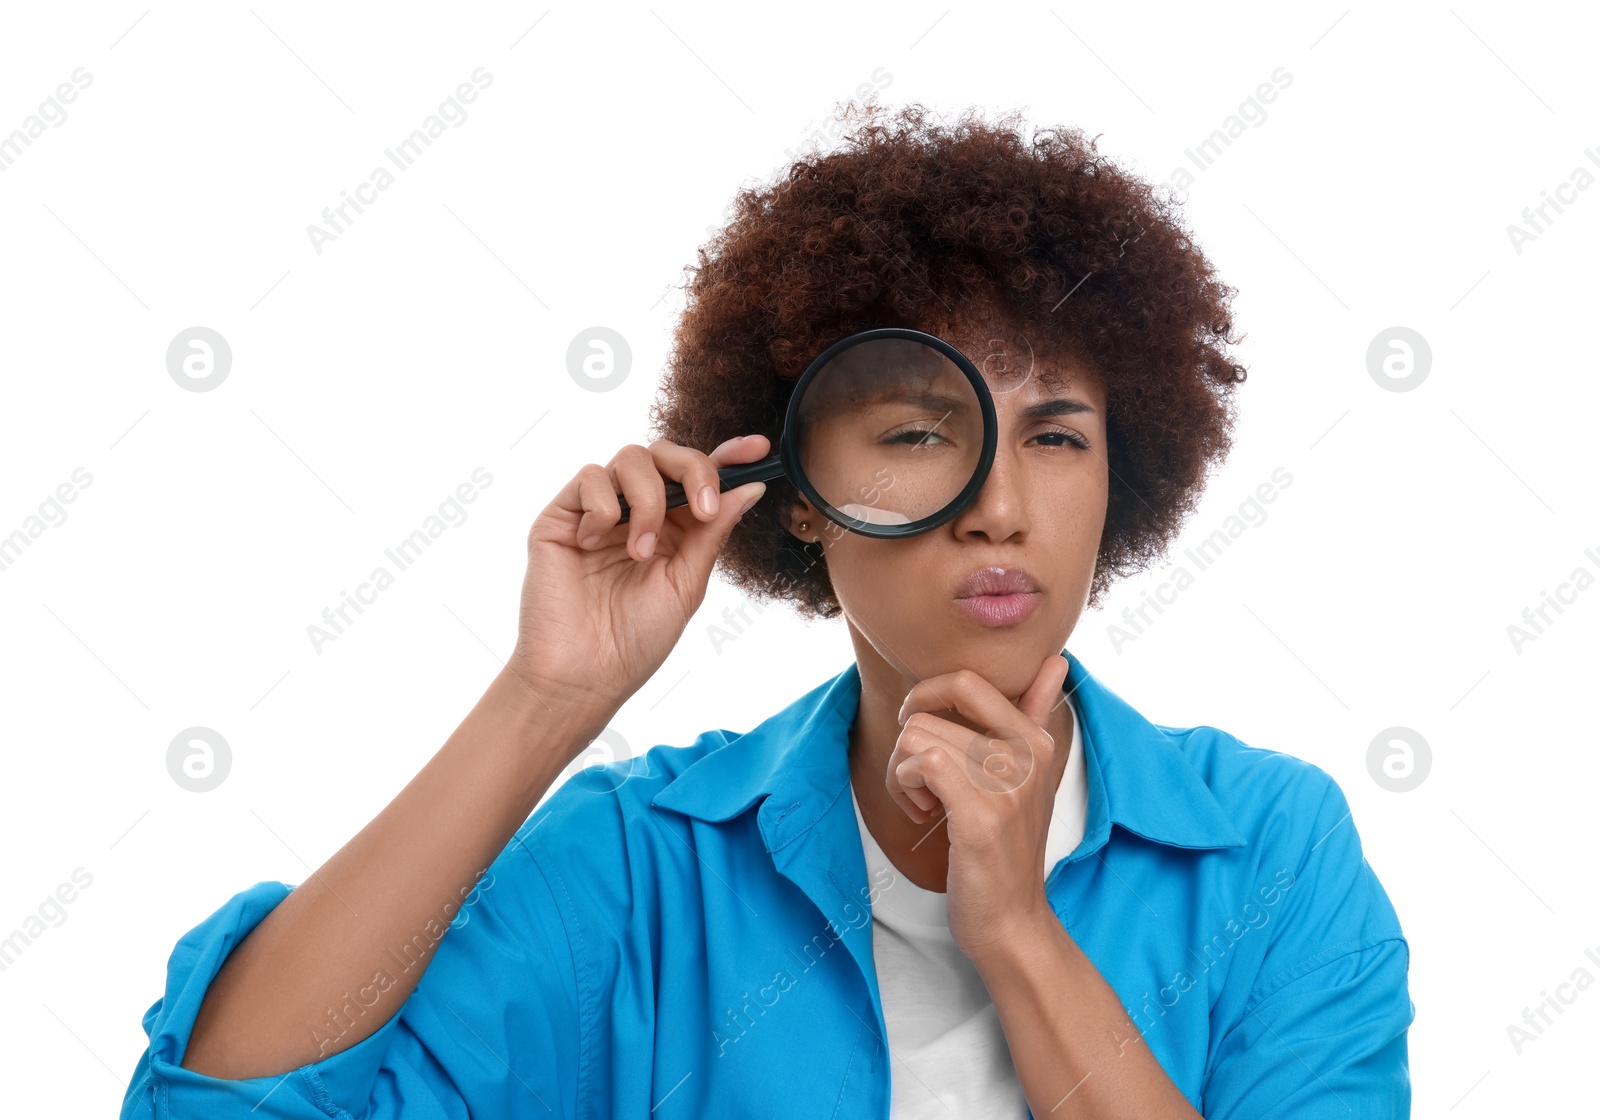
(535, 730)
(548, 709)
(1027, 942)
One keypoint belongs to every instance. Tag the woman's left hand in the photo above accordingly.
(996, 789)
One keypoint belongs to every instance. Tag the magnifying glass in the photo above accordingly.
(890, 432)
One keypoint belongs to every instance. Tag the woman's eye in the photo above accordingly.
(1067, 434)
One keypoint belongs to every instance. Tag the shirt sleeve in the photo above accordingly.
(1323, 1030)
(493, 1029)
(1328, 1041)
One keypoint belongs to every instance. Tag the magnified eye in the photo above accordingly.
(914, 436)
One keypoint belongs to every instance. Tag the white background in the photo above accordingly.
(429, 339)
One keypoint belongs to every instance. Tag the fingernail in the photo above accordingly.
(708, 499)
(591, 540)
(753, 499)
(647, 544)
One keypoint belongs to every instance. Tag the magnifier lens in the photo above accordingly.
(890, 431)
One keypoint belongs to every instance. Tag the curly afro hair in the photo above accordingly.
(907, 217)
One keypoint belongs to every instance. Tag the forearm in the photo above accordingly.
(1077, 1053)
(384, 901)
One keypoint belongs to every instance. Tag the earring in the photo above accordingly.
(804, 525)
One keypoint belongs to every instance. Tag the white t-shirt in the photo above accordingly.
(948, 1054)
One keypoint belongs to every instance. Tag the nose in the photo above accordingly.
(999, 510)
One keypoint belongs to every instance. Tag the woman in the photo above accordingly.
(1032, 901)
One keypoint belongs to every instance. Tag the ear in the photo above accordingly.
(801, 511)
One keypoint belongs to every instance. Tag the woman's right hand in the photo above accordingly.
(603, 603)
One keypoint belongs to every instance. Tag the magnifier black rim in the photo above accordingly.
(789, 453)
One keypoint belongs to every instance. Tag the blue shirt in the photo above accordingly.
(688, 934)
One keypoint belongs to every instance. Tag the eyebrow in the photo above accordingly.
(925, 399)
(1056, 406)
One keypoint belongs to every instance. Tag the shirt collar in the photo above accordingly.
(1138, 776)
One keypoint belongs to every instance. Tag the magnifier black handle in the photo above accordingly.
(765, 470)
